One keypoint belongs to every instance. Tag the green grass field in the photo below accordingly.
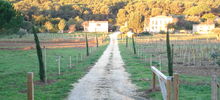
(15, 64)
(191, 87)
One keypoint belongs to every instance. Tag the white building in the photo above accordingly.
(129, 34)
(203, 28)
(159, 24)
(95, 26)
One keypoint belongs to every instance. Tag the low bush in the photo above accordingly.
(21, 32)
(216, 56)
(144, 33)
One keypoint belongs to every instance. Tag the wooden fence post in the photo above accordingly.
(45, 63)
(151, 61)
(97, 41)
(87, 45)
(121, 36)
(153, 82)
(30, 86)
(176, 86)
(160, 59)
(70, 61)
(78, 57)
(218, 88)
(81, 57)
(90, 50)
(214, 88)
(168, 88)
(133, 42)
(59, 65)
(126, 41)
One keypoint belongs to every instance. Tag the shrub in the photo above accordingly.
(216, 56)
(72, 28)
(196, 33)
(27, 26)
(162, 32)
(41, 29)
(145, 33)
(21, 32)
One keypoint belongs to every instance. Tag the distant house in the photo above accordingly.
(95, 26)
(159, 24)
(130, 33)
(217, 19)
(203, 28)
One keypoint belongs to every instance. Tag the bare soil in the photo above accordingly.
(198, 71)
(201, 66)
(27, 45)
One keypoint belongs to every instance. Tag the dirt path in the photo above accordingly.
(107, 80)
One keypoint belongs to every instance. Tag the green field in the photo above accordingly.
(16, 63)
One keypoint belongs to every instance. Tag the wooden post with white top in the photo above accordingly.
(30, 86)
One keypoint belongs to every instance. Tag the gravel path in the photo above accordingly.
(107, 80)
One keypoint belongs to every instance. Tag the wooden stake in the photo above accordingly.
(45, 63)
(76, 61)
(153, 82)
(168, 88)
(59, 65)
(194, 58)
(160, 59)
(30, 86)
(81, 57)
(150, 60)
(97, 41)
(90, 50)
(126, 41)
(176, 86)
(133, 42)
(214, 88)
(87, 45)
(189, 59)
(70, 62)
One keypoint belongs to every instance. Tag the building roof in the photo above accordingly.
(161, 16)
(98, 21)
(86, 23)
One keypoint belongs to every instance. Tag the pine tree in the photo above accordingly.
(40, 57)
(169, 51)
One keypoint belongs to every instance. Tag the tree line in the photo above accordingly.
(59, 15)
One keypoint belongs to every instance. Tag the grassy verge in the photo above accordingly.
(191, 87)
(14, 66)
